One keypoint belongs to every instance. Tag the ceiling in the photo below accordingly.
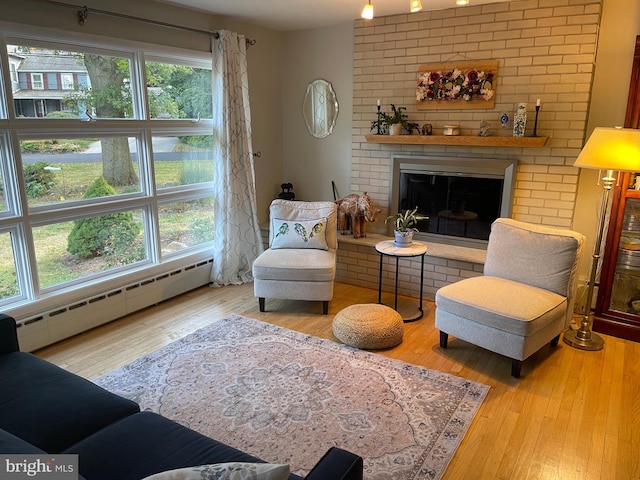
(287, 15)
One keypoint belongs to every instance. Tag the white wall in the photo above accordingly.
(312, 163)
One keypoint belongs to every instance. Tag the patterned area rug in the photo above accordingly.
(287, 397)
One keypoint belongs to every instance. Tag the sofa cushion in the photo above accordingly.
(230, 471)
(299, 233)
(295, 264)
(146, 443)
(51, 408)
(10, 444)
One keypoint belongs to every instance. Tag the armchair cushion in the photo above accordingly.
(534, 254)
(489, 301)
(299, 233)
(294, 264)
(294, 210)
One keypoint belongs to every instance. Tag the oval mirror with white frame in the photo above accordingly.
(320, 108)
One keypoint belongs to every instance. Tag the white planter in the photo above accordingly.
(403, 239)
(395, 129)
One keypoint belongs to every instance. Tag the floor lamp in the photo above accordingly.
(610, 149)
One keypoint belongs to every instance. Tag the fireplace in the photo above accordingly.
(461, 196)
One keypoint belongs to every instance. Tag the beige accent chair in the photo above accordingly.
(525, 298)
(284, 271)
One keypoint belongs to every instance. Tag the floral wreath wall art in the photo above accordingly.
(459, 85)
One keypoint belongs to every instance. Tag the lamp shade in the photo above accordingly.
(611, 149)
(367, 11)
(415, 6)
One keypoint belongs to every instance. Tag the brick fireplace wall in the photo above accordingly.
(545, 49)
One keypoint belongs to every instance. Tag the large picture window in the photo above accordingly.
(106, 165)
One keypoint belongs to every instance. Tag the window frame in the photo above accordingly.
(35, 82)
(65, 84)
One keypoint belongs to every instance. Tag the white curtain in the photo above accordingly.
(237, 240)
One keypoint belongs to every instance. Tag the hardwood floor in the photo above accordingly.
(572, 415)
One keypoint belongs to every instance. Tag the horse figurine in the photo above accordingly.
(353, 212)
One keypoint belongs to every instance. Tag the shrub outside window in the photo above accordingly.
(178, 91)
(73, 250)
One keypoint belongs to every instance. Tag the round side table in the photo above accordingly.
(390, 249)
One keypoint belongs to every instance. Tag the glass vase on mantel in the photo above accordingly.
(520, 120)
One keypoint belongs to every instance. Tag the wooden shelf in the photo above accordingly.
(523, 142)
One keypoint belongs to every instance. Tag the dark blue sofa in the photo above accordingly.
(46, 409)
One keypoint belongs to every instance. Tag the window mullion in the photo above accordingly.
(138, 87)
(6, 109)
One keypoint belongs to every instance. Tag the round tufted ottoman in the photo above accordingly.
(368, 326)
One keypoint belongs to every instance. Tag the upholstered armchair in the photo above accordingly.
(525, 298)
(300, 263)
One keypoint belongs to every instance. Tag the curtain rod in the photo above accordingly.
(83, 13)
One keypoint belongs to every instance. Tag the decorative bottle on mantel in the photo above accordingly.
(520, 120)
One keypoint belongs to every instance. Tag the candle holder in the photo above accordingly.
(379, 130)
(535, 122)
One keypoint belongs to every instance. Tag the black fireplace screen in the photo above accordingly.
(456, 205)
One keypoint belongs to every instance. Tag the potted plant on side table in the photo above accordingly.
(404, 226)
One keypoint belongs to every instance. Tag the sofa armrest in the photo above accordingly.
(337, 464)
(8, 335)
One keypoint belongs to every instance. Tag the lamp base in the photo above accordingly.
(595, 342)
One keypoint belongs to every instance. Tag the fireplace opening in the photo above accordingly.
(458, 197)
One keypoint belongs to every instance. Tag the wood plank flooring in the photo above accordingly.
(573, 415)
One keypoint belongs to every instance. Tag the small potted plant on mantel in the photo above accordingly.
(395, 123)
(404, 226)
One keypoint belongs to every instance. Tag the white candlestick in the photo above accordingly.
(378, 102)
(538, 103)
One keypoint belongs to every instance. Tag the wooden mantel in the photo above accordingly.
(523, 142)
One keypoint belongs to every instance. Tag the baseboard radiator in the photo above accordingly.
(55, 325)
